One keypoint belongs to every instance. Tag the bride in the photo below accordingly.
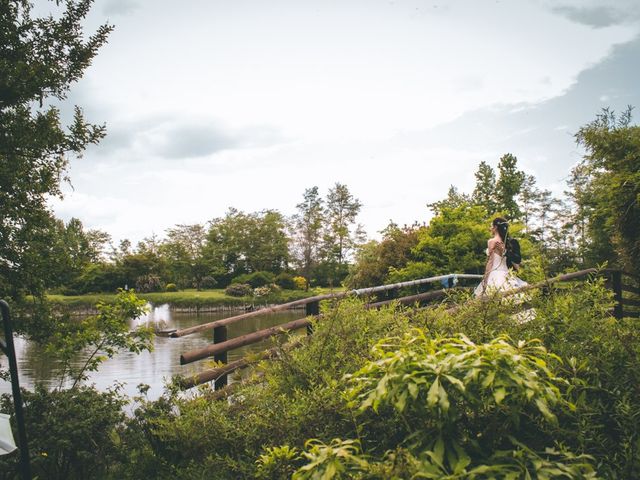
(497, 277)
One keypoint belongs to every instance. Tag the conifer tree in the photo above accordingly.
(484, 193)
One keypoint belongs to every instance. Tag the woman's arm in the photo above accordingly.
(487, 267)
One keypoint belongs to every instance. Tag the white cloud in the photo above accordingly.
(246, 104)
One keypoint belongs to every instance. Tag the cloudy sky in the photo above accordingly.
(211, 104)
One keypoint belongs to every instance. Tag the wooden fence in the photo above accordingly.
(625, 287)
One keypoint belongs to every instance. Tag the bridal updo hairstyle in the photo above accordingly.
(503, 227)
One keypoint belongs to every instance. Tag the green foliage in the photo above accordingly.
(171, 287)
(484, 193)
(255, 279)
(238, 290)
(510, 181)
(403, 394)
(285, 280)
(247, 242)
(100, 336)
(338, 459)
(454, 241)
(277, 463)
(307, 225)
(42, 58)
(340, 237)
(375, 260)
(609, 181)
(71, 433)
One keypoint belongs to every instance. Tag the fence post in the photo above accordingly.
(616, 283)
(311, 308)
(9, 349)
(219, 336)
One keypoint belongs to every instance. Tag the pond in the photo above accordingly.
(151, 368)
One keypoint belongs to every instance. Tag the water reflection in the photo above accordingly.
(151, 368)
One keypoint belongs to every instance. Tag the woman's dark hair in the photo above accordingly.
(503, 227)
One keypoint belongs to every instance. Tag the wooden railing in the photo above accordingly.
(626, 289)
(222, 345)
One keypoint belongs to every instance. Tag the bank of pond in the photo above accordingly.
(214, 300)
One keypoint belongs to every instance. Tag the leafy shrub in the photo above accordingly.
(69, 432)
(278, 463)
(285, 280)
(300, 283)
(255, 279)
(208, 282)
(238, 290)
(171, 287)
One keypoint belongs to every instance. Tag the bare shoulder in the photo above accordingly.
(495, 244)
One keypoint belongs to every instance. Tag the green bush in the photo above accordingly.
(255, 279)
(285, 280)
(171, 287)
(238, 290)
(468, 393)
(70, 432)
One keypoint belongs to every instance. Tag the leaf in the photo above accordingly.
(444, 399)
(499, 395)
(438, 452)
(432, 395)
(413, 390)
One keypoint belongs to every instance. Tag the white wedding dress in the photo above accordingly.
(499, 278)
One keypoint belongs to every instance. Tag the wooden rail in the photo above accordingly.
(318, 298)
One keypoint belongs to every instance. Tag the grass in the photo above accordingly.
(189, 298)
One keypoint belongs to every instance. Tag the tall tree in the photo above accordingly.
(528, 198)
(41, 59)
(484, 193)
(508, 186)
(307, 226)
(247, 242)
(341, 234)
(611, 177)
(184, 252)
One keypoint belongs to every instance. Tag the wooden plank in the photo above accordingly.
(241, 341)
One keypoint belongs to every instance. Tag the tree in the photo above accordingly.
(610, 171)
(484, 193)
(529, 196)
(307, 226)
(41, 59)
(341, 234)
(374, 260)
(244, 243)
(454, 199)
(184, 251)
(454, 241)
(508, 186)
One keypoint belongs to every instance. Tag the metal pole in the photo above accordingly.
(25, 467)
